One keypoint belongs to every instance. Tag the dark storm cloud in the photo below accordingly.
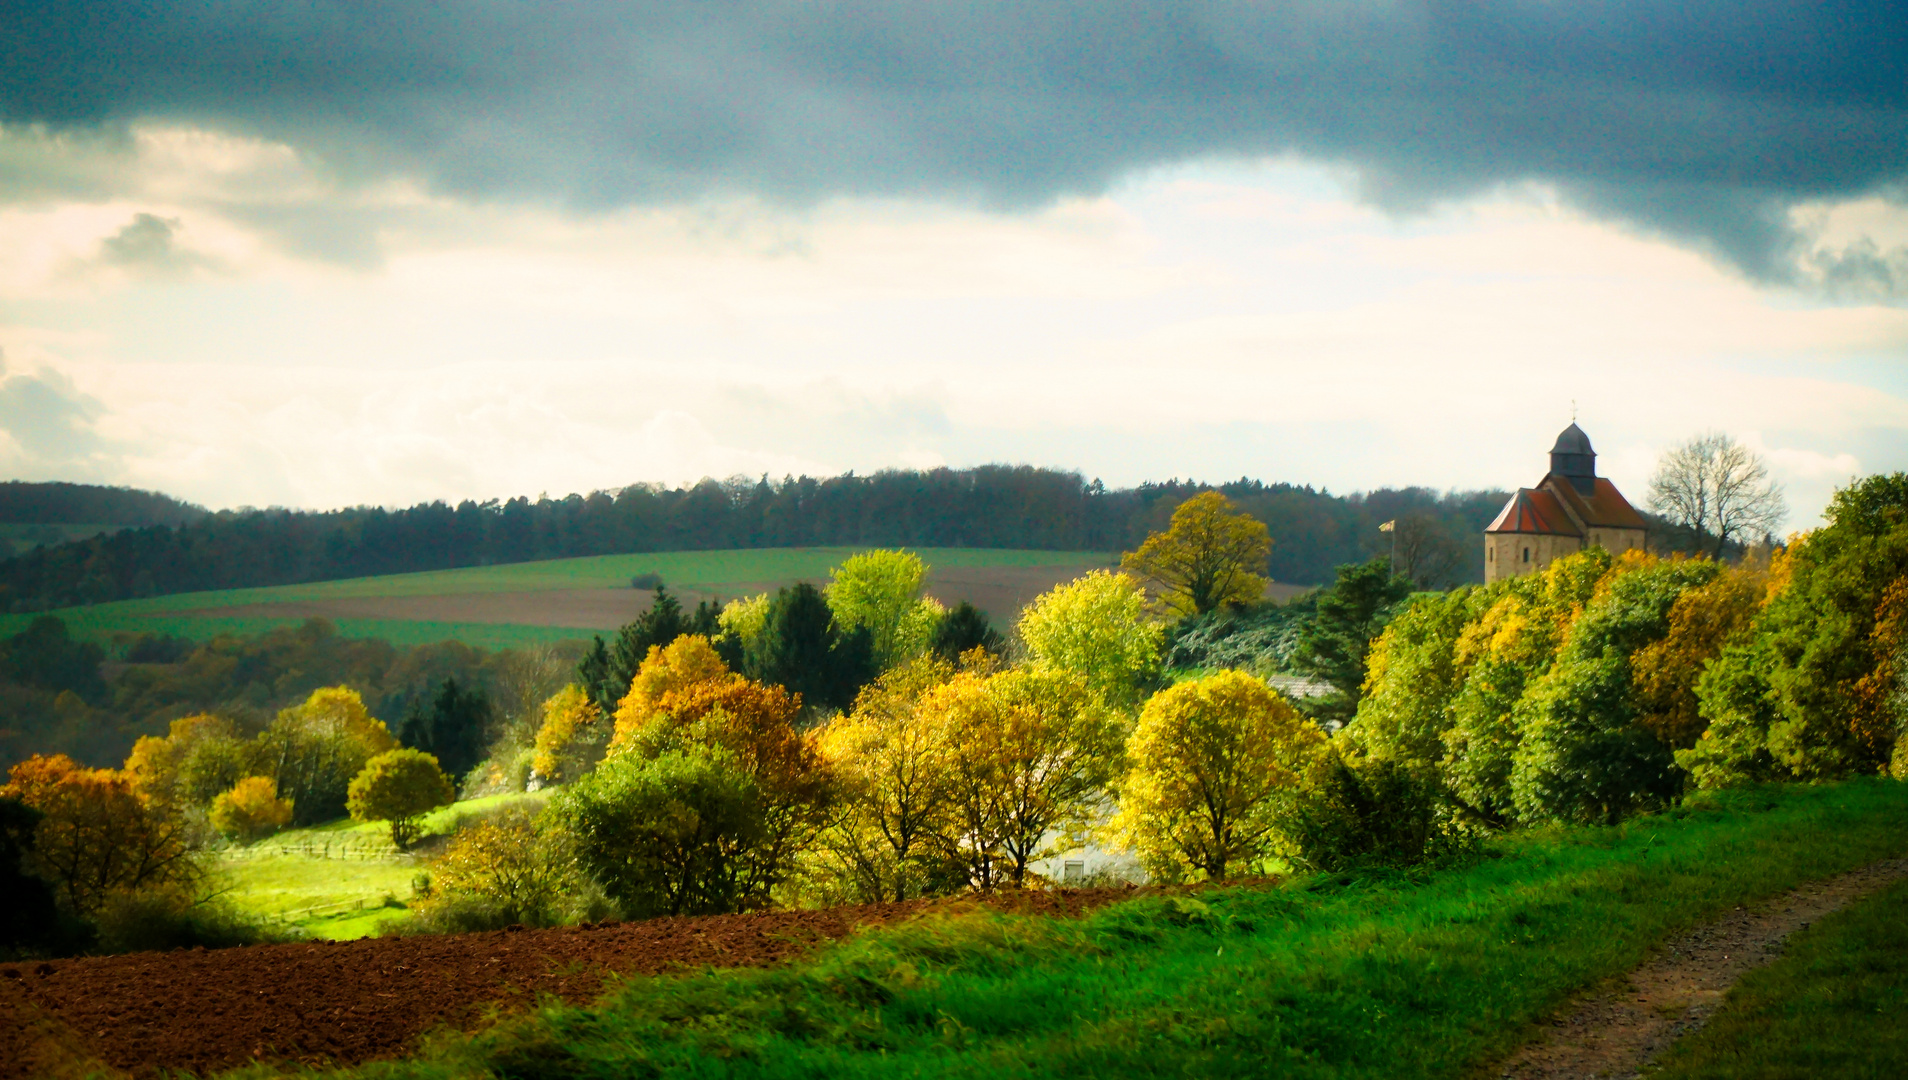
(1703, 121)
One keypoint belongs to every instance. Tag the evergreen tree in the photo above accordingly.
(965, 628)
(1350, 615)
(452, 730)
(593, 675)
(802, 649)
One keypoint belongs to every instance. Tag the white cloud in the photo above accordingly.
(1208, 322)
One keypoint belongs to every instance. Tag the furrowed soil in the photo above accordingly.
(346, 1002)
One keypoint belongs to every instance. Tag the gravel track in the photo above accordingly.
(1617, 1029)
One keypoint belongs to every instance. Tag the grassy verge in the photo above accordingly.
(1381, 976)
(1835, 1005)
(340, 880)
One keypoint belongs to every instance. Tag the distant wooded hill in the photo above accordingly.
(23, 503)
(989, 506)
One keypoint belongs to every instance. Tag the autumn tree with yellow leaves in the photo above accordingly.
(97, 836)
(887, 840)
(400, 787)
(1212, 763)
(571, 736)
(1212, 554)
(250, 810)
(1026, 752)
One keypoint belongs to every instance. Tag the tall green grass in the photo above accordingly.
(1382, 975)
(1836, 1004)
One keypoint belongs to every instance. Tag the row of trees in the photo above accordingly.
(990, 506)
(1606, 686)
(56, 696)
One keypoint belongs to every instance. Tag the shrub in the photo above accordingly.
(399, 786)
(1374, 812)
(503, 864)
(169, 917)
(250, 810)
(678, 834)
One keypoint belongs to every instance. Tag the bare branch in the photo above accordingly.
(1718, 490)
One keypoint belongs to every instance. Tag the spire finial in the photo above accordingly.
(1573, 410)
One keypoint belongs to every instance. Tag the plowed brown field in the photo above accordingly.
(354, 1001)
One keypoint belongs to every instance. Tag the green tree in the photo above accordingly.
(1586, 755)
(453, 729)
(1214, 762)
(881, 591)
(315, 749)
(1096, 627)
(400, 786)
(964, 629)
(1808, 693)
(666, 835)
(44, 655)
(1212, 554)
(801, 647)
(1350, 615)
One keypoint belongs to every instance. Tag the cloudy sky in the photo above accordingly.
(327, 252)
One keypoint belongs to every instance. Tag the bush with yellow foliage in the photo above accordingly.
(251, 810)
(571, 737)
(399, 786)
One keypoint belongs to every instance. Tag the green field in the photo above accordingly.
(1836, 1004)
(707, 571)
(340, 880)
(1381, 975)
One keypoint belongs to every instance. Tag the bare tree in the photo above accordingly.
(1718, 490)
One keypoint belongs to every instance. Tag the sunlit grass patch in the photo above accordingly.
(333, 880)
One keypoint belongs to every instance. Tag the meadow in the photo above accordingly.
(340, 880)
(524, 604)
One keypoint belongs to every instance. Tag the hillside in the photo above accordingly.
(1313, 531)
(54, 514)
(26, 503)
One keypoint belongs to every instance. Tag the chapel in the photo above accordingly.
(1570, 509)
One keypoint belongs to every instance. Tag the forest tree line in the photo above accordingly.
(991, 506)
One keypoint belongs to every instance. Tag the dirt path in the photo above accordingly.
(343, 1002)
(1615, 1030)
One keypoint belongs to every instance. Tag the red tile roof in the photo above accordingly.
(1605, 508)
(1533, 511)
